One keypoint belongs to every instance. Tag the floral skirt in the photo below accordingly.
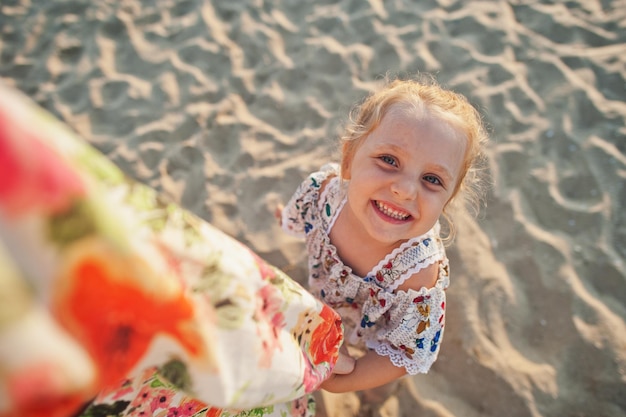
(162, 392)
(109, 291)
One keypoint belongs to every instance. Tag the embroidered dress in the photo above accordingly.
(406, 326)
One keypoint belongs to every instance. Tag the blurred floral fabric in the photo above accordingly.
(108, 291)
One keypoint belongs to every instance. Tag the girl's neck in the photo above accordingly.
(356, 249)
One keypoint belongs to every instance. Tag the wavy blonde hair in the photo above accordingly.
(424, 96)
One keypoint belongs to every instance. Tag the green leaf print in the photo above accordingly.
(74, 223)
(156, 383)
(255, 412)
(96, 163)
(105, 410)
(287, 286)
(176, 372)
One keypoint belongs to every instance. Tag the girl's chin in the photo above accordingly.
(386, 237)
(393, 234)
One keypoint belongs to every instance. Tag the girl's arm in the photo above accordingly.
(345, 362)
(370, 371)
(373, 370)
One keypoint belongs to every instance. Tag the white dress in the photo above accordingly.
(406, 326)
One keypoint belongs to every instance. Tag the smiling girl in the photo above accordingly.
(372, 226)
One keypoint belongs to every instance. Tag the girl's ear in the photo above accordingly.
(346, 159)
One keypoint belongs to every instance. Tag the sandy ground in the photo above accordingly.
(227, 105)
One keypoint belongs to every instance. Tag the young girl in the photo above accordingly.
(372, 226)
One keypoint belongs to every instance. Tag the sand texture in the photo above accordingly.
(226, 105)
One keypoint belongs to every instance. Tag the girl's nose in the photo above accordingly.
(405, 188)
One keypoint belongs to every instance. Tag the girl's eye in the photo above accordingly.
(433, 180)
(389, 160)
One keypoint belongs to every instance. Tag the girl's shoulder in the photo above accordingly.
(409, 259)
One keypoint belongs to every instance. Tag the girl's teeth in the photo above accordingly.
(391, 212)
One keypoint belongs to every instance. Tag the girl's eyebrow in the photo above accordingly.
(383, 146)
(443, 171)
(438, 168)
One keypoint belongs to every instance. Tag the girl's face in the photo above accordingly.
(401, 177)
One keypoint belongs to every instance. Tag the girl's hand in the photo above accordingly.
(278, 213)
(370, 371)
(345, 363)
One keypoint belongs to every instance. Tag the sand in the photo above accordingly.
(225, 106)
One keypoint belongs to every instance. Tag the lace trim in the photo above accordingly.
(413, 367)
(431, 233)
(394, 253)
(409, 273)
(408, 259)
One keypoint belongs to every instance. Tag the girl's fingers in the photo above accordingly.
(344, 365)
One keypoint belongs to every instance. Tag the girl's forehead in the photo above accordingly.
(415, 136)
(401, 119)
(408, 116)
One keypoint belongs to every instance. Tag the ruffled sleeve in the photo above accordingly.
(415, 323)
(301, 212)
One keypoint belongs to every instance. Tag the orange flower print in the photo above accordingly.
(320, 335)
(213, 412)
(32, 175)
(326, 338)
(115, 315)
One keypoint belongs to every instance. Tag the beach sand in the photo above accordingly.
(225, 106)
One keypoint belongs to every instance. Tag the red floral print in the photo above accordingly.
(32, 175)
(116, 318)
(37, 391)
(188, 408)
(270, 322)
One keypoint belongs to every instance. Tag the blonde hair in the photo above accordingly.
(420, 97)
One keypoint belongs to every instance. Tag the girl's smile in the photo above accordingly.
(389, 213)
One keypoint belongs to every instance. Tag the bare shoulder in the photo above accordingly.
(425, 277)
